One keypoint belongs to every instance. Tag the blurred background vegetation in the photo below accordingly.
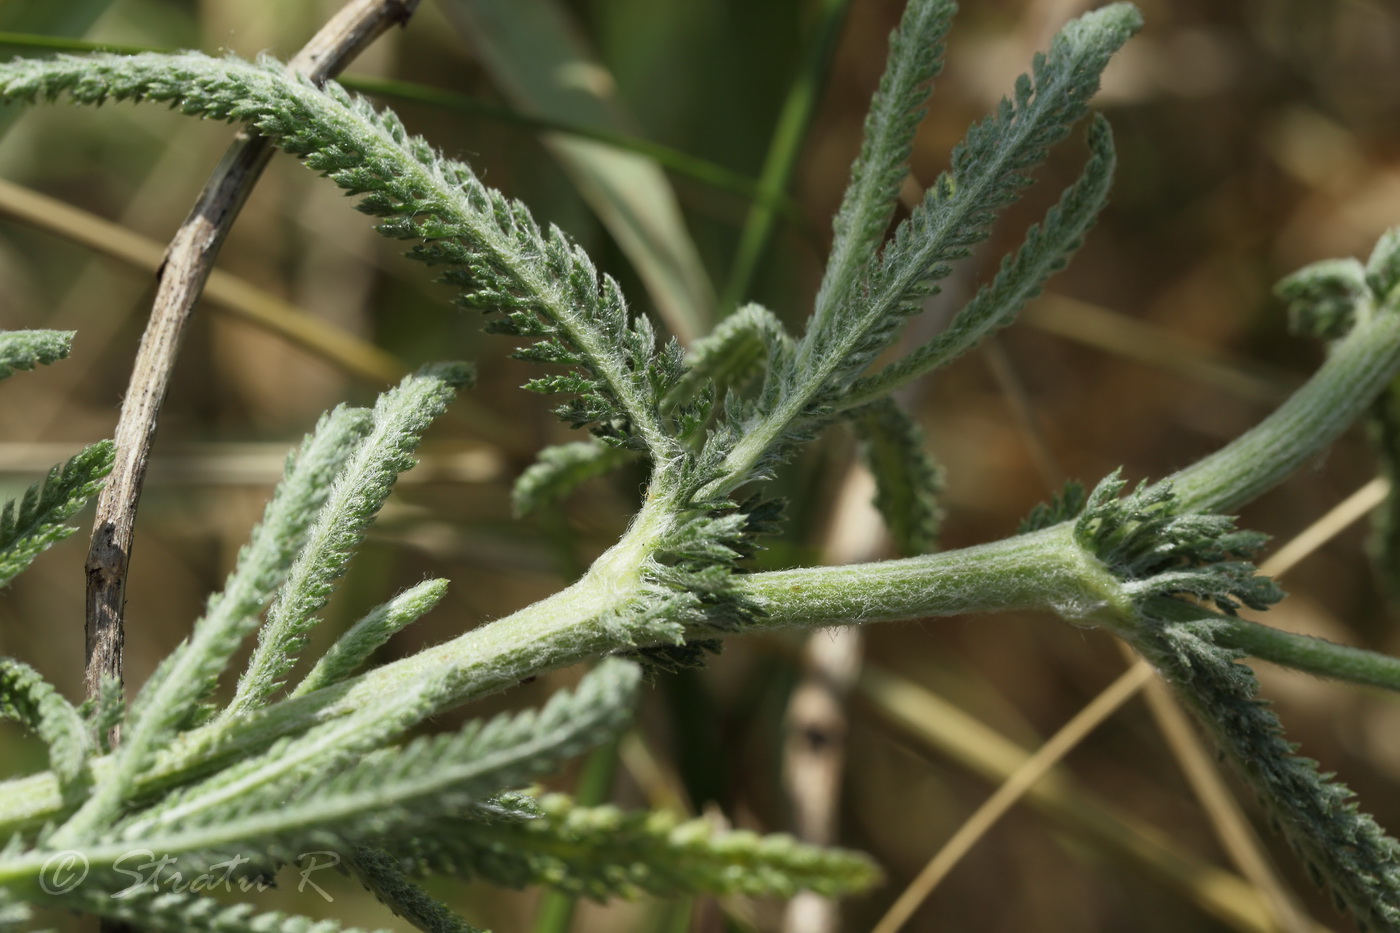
(1254, 137)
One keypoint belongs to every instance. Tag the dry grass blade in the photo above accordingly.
(1031, 771)
(1341, 516)
(224, 290)
(1135, 340)
(951, 731)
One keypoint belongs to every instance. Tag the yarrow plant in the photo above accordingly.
(284, 768)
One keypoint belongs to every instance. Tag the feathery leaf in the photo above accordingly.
(399, 419)
(31, 524)
(1383, 265)
(896, 110)
(27, 697)
(265, 779)
(542, 286)
(1065, 505)
(907, 480)
(190, 673)
(559, 469)
(989, 169)
(1158, 550)
(25, 349)
(106, 711)
(1047, 249)
(362, 639)
(1162, 554)
(1323, 297)
(602, 852)
(736, 350)
(1342, 846)
(381, 873)
(393, 795)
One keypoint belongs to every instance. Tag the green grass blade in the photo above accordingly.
(527, 45)
(794, 120)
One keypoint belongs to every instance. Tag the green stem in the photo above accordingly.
(1357, 370)
(1046, 570)
(579, 623)
(1309, 654)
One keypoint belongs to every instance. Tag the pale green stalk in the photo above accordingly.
(1357, 369)
(1038, 571)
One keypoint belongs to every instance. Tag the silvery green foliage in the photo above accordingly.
(554, 840)
(547, 290)
(364, 482)
(340, 784)
(327, 475)
(1047, 249)
(353, 649)
(916, 58)
(34, 522)
(709, 424)
(1157, 549)
(27, 697)
(1343, 847)
(383, 875)
(559, 469)
(25, 349)
(277, 773)
(1171, 564)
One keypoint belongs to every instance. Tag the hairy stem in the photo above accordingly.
(1357, 370)
(1309, 654)
(1045, 570)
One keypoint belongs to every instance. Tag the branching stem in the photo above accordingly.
(1046, 570)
